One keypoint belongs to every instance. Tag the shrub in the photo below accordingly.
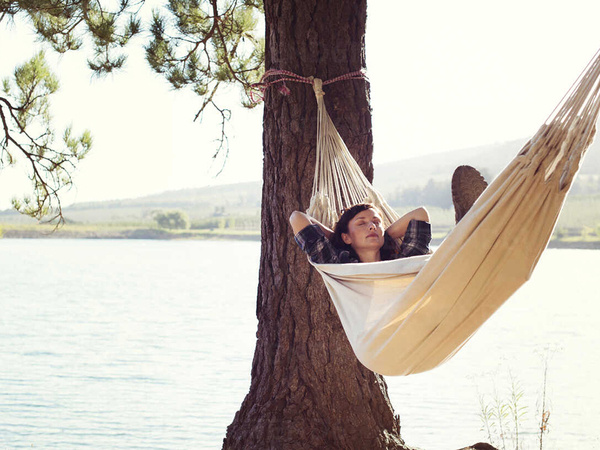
(172, 220)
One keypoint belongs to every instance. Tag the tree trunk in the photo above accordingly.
(308, 390)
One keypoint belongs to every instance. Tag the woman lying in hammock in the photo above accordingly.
(359, 236)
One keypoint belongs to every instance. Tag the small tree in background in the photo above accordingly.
(172, 220)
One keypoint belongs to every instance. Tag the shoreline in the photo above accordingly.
(161, 234)
(124, 233)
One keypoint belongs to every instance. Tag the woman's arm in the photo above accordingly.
(299, 220)
(398, 228)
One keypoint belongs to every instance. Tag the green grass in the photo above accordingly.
(579, 239)
(120, 231)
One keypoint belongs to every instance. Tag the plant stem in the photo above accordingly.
(545, 414)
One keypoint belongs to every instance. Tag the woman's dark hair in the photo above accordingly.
(342, 227)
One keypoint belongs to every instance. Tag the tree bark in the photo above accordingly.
(308, 390)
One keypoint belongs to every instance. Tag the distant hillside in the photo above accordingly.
(241, 198)
(489, 160)
(426, 180)
(440, 166)
(244, 199)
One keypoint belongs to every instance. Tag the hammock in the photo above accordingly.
(410, 315)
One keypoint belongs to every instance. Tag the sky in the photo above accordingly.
(444, 76)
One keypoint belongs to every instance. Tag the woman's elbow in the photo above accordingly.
(421, 213)
(298, 220)
(296, 216)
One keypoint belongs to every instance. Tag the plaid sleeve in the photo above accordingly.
(416, 239)
(315, 244)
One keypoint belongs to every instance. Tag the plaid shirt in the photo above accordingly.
(321, 251)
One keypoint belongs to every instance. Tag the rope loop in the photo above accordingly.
(318, 87)
(257, 90)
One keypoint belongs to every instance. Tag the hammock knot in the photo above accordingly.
(318, 86)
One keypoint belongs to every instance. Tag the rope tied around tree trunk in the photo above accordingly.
(338, 182)
(257, 90)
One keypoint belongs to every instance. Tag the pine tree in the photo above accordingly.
(28, 133)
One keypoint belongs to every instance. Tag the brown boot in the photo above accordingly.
(467, 186)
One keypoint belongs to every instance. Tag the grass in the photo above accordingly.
(120, 231)
(503, 417)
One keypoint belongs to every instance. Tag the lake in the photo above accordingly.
(148, 345)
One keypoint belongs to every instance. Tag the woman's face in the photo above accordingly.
(365, 231)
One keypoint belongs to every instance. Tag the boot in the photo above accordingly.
(467, 186)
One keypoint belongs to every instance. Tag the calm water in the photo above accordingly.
(148, 344)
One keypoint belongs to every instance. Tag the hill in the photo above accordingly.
(198, 203)
(394, 180)
(489, 160)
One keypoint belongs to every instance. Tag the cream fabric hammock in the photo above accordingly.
(411, 315)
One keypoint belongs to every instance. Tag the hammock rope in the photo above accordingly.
(410, 315)
(339, 183)
(257, 90)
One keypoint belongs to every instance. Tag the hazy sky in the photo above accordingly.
(444, 75)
